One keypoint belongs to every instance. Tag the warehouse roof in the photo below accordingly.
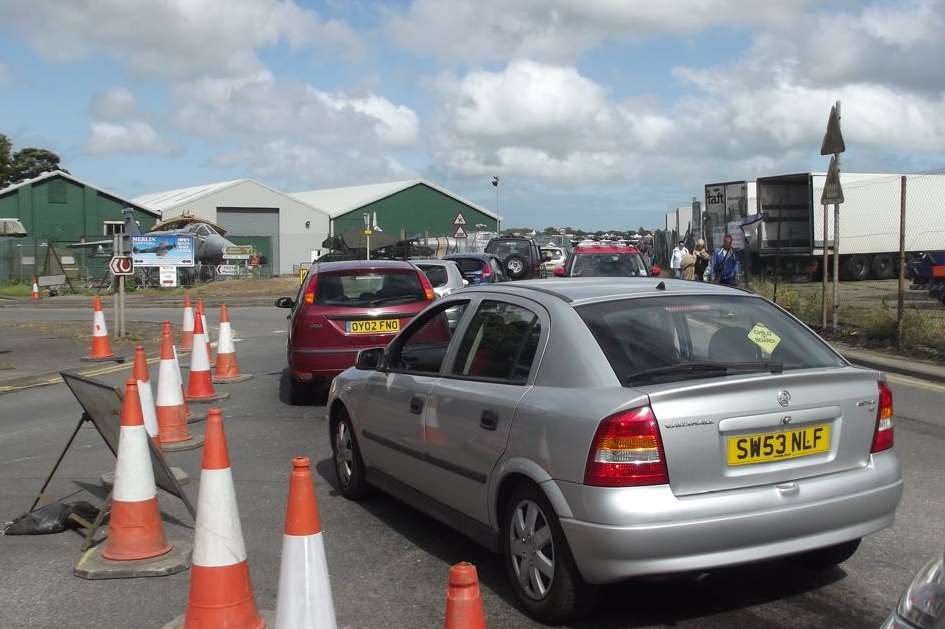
(338, 201)
(50, 174)
(170, 200)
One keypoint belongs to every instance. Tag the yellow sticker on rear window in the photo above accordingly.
(764, 338)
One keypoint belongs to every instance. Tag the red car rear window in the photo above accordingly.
(368, 288)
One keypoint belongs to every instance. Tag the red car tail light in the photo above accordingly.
(883, 434)
(627, 451)
(427, 286)
(309, 295)
(486, 270)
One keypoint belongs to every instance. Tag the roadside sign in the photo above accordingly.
(121, 265)
(228, 269)
(460, 232)
(163, 250)
(368, 232)
(460, 219)
(833, 139)
(167, 276)
(237, 252)
(303, 271)
(50, 280)
(833, 192)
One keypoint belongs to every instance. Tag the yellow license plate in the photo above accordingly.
(777, 446)
(374, 326)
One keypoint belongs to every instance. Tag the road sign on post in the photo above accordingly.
(460, 232)
(121, 265)
(833, 193)
(833, 139)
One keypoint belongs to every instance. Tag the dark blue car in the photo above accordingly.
(479, 268)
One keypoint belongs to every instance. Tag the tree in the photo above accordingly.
(6, 160)
(31, 162)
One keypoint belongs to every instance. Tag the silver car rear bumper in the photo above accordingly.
(624, 532)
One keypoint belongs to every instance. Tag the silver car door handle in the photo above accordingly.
(489, 420)
(416, 405)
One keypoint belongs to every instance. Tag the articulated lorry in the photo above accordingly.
(791, 235)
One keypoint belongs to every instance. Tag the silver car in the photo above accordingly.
(444, 275)
(593, 430)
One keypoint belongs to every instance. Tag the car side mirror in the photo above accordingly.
(369, 359)
(656, 271)
(285, 302)
(559, 270)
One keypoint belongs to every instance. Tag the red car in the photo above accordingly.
(605, 261)
(343, 307)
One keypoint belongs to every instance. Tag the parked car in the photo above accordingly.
(552, 257)
(605, 261)
(343, 307)
(922, 605)
(520, 257)
(444, 275)
(721, 430)
(479, 268)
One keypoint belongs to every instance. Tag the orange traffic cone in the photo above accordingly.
(199, 381)
(463, 604)
(202, 315)
(135, 530)
(146, 395)
(35, 294)
(304, 600)
(187, 327)
(227, 368)
(221, 593)
(170, 411)
(101, 346)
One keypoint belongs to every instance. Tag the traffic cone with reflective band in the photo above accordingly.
(171, 414)
(227, 369)
(35, 294)
(135, 530)
(206, 329)
(463, 604)
(304, 600)
(187, 412)
(146, 395)
(199, 381)
(187, 327)
(221, 593)
(101, 346)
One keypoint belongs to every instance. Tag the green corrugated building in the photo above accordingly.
(57, 208)
(415, 207)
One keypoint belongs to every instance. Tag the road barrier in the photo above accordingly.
(463, 602)
(304, 600)
(199, 381)
(187, 326)
(227, 369)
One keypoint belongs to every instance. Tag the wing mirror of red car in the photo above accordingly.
(369, 359)
(559, 271)
(656, 271)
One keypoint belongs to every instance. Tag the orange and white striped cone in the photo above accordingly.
(206, 329)
(227, 369)
(463, 603)
(101, 346)
(35, 294)
(221, 592)
(143, 379)
(187, 327)
(189, 414)
(135, 530)
(199, 381)
(171, 413)
(304, 600)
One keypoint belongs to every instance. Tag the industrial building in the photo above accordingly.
(412, 207)
(287, 231)
(57, 209)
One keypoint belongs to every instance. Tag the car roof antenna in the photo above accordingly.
(661, 286)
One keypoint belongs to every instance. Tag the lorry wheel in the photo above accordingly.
(884, 266)
(857, 268)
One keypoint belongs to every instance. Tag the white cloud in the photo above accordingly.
(560, 30)
(113, 104)
(132, 138)
(174, 39)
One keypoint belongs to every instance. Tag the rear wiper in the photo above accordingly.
(699, 369)
(391, 300)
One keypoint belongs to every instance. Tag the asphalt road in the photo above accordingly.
(388, 563)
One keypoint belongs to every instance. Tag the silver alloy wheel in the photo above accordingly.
(516, 266)
(532, 549)
(344, 456)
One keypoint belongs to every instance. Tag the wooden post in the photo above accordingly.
(900, 305)
(825, 265)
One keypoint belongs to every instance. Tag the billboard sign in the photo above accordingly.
(163, 250)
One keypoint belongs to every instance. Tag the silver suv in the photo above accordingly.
(592, 430)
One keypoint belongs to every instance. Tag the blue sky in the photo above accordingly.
(595, 114)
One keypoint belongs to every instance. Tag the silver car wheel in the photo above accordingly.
(344, 456)
(532, 549)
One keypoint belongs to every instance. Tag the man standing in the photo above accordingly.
(675, 263)
(725, 264)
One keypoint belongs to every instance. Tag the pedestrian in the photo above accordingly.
(675, 262)
(702, 260)
(725, 264)
(688, 267)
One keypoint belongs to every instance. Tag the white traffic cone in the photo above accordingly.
(170, 410)
(199, 380)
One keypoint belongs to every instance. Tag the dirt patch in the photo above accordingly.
(139, 332)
